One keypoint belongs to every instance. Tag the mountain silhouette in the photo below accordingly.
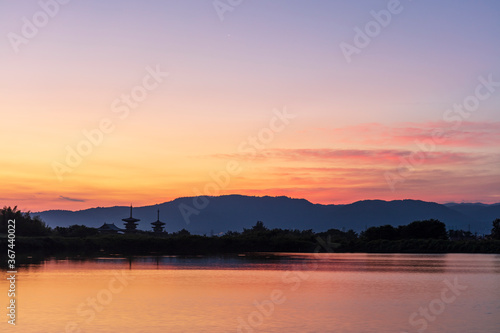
(235, 212)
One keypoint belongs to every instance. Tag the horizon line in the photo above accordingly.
(271, 196)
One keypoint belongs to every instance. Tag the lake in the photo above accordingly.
(271, 292)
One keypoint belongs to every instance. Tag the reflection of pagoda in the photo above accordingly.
(130, 222)
(158, 225)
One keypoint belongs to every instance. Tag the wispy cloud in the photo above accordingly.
(345, 185)
(372, 156)
(466, 134)
(71, 199)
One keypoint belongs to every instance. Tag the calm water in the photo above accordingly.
(268, 293)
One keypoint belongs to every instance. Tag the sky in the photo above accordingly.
(107, 103)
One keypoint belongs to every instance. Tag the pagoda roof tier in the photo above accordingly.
(158, 222)
(130, 219)
(109, 227)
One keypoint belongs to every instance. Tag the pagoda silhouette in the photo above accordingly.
(158, 225)
(130, 223)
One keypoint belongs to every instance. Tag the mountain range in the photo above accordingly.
(216, 215)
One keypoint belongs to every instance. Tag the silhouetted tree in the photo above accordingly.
(182, 232)
(259, 226)
(25, 225)
(428, 229)
(339, 235)
(495, 231)
(383, 232)
(460, 235)
(75, 231)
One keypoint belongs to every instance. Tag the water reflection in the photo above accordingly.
(335, 262)
(308, 293)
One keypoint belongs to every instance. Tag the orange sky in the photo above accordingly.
(122, 102)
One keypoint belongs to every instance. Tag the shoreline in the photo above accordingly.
(149, 245)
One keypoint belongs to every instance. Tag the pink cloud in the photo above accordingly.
(346, 185)
(465, 134)
(371, 156)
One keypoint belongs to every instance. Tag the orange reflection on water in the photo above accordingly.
(289, 293)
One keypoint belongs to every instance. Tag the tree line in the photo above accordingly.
(419, 236)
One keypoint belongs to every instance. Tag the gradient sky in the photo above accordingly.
(355, 123)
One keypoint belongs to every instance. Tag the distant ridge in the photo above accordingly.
(235, 212)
